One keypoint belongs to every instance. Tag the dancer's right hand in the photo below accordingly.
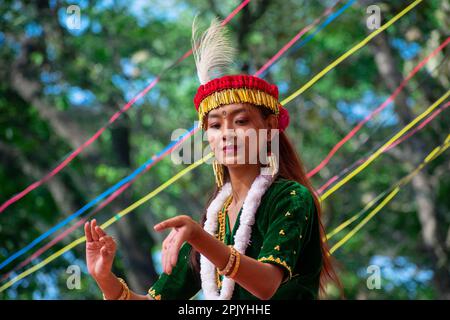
(100, 251)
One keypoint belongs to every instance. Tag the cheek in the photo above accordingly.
(213, 137)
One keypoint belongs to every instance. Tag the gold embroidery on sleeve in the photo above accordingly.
(277, 261)
(152, 293)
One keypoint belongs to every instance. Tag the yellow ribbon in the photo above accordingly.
(381, 149)
(107, 223)
(396, 188)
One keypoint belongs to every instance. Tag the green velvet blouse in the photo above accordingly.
(285, 233)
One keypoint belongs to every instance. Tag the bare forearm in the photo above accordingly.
(112, 288)
(250, 270)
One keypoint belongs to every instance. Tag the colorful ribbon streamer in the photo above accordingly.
(261, 72)
(380, 150)
(396, 188)
(421, 126)
(388, 101)
(350, 52)
(87, 206)
(105, 225)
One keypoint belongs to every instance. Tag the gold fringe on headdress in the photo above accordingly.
(238, 95)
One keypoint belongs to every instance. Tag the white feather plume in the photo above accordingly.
(213, 52)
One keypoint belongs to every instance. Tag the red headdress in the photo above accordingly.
(212, 53)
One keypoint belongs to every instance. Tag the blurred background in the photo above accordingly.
(64, 71)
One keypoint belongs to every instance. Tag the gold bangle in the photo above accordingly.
(126, 291)
(236, 265)
(125, 294)
(230, 262)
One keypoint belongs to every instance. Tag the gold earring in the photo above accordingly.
(218, 172)
(273, 164)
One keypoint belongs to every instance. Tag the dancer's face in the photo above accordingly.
(235, 135)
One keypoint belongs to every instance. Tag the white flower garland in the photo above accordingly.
(241, 239)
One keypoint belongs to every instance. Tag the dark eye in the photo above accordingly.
(214, 126)
(242, 121)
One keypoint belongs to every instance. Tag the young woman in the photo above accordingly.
(261, 236)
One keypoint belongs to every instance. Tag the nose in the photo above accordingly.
(228, 133)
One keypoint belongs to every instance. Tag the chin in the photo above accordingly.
(234, 165)
(234, 161)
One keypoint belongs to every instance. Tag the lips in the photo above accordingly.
(230, 149)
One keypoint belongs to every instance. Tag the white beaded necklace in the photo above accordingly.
(241, 239)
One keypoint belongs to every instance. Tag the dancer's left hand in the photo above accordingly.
(183, 229)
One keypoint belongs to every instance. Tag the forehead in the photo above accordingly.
(229, 108)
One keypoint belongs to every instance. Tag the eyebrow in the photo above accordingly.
(216, 115)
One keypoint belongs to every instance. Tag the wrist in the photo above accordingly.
(124, 293)
(106, 277)
(198, 236)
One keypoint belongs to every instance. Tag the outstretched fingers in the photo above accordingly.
(175, 249)
(167, 244)
(100, 231)
(87, 232)
(94, 233)
(169, 223)
(172, 244)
